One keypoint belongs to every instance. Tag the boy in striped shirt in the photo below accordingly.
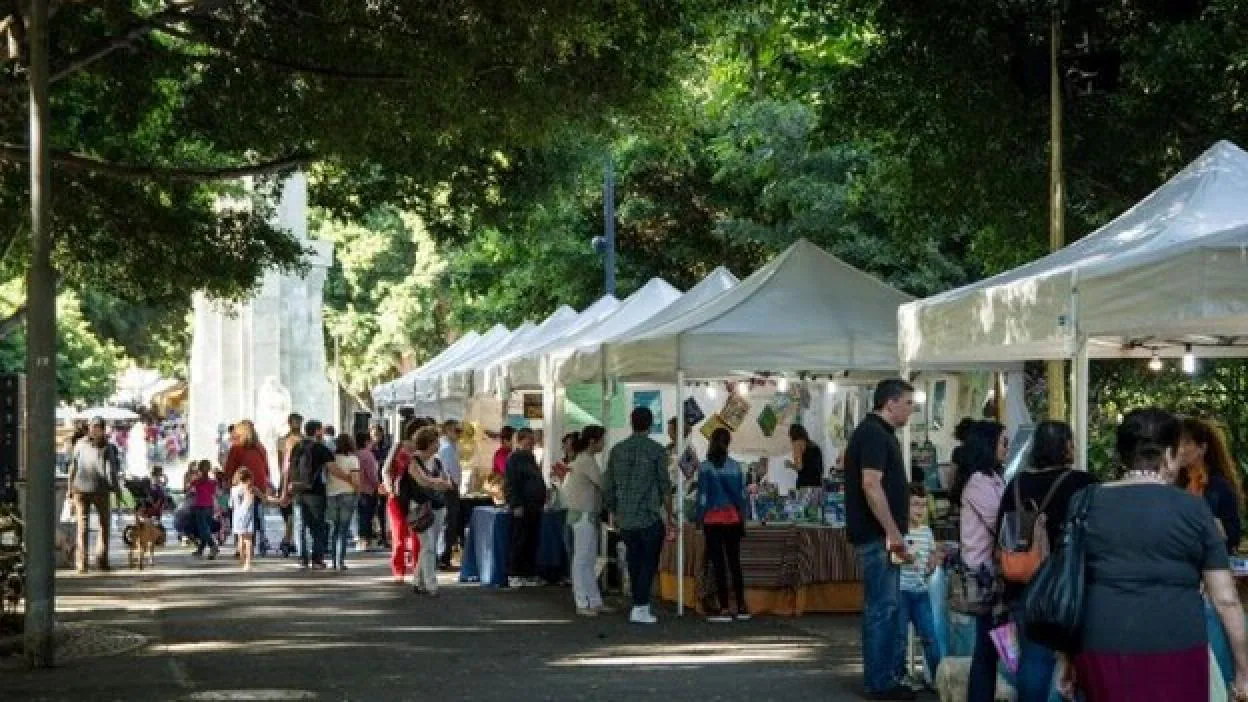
(922, 557)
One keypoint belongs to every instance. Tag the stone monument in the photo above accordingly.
(265, 358)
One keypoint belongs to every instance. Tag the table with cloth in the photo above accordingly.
(487, 547)
(788, 569)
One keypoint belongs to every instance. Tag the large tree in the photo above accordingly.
(402, 102)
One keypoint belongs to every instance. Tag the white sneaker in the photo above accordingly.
(535, 582)
(514, 582)
(642, 615)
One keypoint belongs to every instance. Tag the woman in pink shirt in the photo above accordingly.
(977, 489)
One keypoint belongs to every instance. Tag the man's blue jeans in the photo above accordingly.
(341, 510)
(883, 646)
(644, 546)
(916, 608)
(310, 521)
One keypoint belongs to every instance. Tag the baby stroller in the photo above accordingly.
(150, 503)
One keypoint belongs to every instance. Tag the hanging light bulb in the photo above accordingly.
(782, 384)
(831, 386)
(743, 388)
(1189, 360)
(920, 397)
(711, 390)
(1155, 363)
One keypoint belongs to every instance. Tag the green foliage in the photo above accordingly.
(382, 295)
(1216, 393)
(86, 366)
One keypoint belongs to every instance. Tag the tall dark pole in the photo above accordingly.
(1056, 371)
(40, 366)
(608, 225)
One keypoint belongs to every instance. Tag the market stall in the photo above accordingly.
(789, 569)
(803, 314)
(1163, 279)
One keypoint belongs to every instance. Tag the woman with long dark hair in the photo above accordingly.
(977, 490)
(807, 457)
(721, 511)
(1148, 550)
(1207, 470)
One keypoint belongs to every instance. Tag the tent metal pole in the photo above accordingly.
(680, 494)
(905, 431)
(1082, 366)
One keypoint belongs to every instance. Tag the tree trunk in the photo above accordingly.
(40, 423)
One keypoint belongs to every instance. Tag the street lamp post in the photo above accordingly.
(608, 226)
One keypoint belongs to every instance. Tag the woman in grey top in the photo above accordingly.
(582, 492)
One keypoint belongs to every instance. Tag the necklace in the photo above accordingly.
(1143, 476)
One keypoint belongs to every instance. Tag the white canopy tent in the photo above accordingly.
(387, 394)
(806, 310)
(412, 382)
(584, 359)
(456, 381)
(554, 325)
(1168, 275)
(519, 367)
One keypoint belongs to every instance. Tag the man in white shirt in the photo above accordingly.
(448, 454)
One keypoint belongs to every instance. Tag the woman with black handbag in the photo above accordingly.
(1144, 550)
(422, 490)
(976, 588)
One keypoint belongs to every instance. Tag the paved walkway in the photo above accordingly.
(278, 633)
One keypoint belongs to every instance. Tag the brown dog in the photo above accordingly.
(146, 536)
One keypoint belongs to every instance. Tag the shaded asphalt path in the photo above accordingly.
(278, 633)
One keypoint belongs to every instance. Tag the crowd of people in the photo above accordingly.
(1156, 548)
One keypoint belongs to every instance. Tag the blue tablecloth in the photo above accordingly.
(552, 546)
(485, 547)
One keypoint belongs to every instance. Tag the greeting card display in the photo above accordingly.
(767, 421)
(693, 413)
(734, 412)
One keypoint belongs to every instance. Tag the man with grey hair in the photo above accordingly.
(94, 470)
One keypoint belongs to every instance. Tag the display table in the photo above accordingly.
(789, 569)
(552, 548)
(487, 547)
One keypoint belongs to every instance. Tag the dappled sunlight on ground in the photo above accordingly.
(217, 633)
(750, 650)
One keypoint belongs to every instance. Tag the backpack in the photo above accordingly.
(304, 477)
(1023, 542)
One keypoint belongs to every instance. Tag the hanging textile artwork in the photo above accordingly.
(711, 424)
(734, 412)
(693, 413)
(767, 421)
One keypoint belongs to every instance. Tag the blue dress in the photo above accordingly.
(243, 503)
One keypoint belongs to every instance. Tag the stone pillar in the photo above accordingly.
(266, 356)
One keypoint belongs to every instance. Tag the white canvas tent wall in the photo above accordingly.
(457, 380)
(806, 310)
(1169, 272)
(552, 326)
(520, 368)
(585, 361)
(409, 384)
(391, 392)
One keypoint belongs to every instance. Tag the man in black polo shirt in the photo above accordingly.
(877, 514)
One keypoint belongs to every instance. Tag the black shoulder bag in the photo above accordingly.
(1053, 603)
